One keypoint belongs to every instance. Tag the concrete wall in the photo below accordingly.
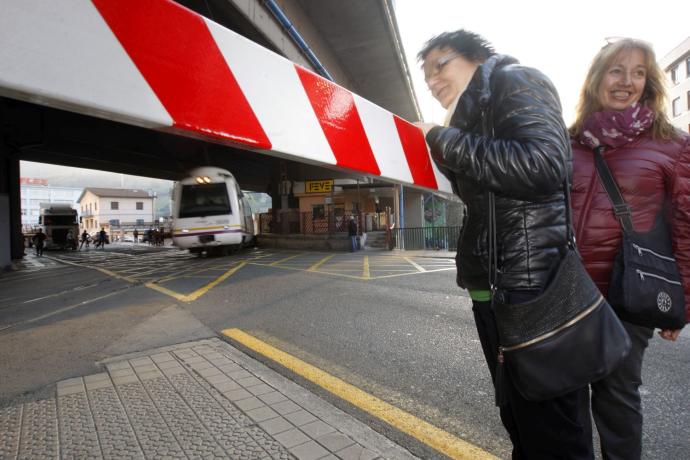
(414, 209)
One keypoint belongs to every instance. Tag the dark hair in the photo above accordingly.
(471, 46)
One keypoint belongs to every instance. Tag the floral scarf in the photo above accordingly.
(614, 129)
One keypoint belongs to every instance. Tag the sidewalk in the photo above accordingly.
(197, 399)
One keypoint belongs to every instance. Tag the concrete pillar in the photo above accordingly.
(11, 244)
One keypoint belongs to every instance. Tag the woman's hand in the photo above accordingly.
(425, 127)
(669, 334)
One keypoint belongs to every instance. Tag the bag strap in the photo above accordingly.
(621, 209)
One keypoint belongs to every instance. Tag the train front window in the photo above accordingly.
(204, 200)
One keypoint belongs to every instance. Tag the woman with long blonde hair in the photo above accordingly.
(621, 115)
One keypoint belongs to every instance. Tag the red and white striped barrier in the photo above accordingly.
(156, 64)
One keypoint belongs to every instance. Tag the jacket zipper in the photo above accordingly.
(545, 336)
(641, 249)
(654, 275)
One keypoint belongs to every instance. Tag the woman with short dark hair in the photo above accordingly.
(505, 134)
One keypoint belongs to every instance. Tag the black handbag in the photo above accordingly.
(563, 339)
(646, 287)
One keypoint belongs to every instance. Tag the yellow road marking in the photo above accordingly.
(320, 262)
(199, 292)
(415, 265)
(166, 291)
(273, 264)
(365, 270)
(102, 270)
(428, 434)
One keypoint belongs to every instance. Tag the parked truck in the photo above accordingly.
(57, 220)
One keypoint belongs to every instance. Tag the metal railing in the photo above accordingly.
(295, 222)
(443, 238)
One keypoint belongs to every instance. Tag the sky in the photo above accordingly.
(557, 37)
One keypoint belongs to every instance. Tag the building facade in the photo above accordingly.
(676, 64)
(112, 208)
(35, 191)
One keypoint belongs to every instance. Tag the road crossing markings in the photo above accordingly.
(365, 269)
(424, 432)
(314, 267)
(102, 270)
(277, 262)
(415, 265)
(199, 292)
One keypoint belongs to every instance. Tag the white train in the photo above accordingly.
(210, 213)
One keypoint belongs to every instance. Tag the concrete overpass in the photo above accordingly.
(356, 41)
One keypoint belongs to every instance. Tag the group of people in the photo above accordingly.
(505, 134)
(99, 241)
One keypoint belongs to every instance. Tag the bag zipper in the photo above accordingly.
(654, 275)
(640, 250)
(545, 336)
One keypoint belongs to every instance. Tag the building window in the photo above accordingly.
(688, 101)
(676, 107)
(95, 206)
(140, 222)
(140, 205)
(687, 68)
(674, 75)
(318, 211)
(114, 222)
(114, 205)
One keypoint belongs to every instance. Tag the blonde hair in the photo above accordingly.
(653, 96)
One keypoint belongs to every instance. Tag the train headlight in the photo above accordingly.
(184, 230)
(207, 180)
(199, 180)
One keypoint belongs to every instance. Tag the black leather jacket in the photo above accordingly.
(507, 135)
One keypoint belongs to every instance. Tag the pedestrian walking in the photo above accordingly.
(84, 240)
(621, 119)
(71, 240)
(102, 239)
(352, 233)
(39, 241)
(504, 139)
(135, 234)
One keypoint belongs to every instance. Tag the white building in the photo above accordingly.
(36, 191)
(676, 64)
(114, 208)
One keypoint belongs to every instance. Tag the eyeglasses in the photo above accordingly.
(438, 66)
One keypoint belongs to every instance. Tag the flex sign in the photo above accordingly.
(319, 186)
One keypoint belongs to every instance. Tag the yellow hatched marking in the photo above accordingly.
(199, 292)
(273, 264)
(166, 291)
(365, 269)
(430, 435)
(102, 270)
(314, 267)
(415, 265)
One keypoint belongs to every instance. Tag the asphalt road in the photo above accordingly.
(396, 328)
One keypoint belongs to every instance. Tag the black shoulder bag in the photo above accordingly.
(645, 287)
(561, 340)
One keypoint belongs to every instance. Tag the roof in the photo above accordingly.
(365, 38)
(114, 193)
(675, 54)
